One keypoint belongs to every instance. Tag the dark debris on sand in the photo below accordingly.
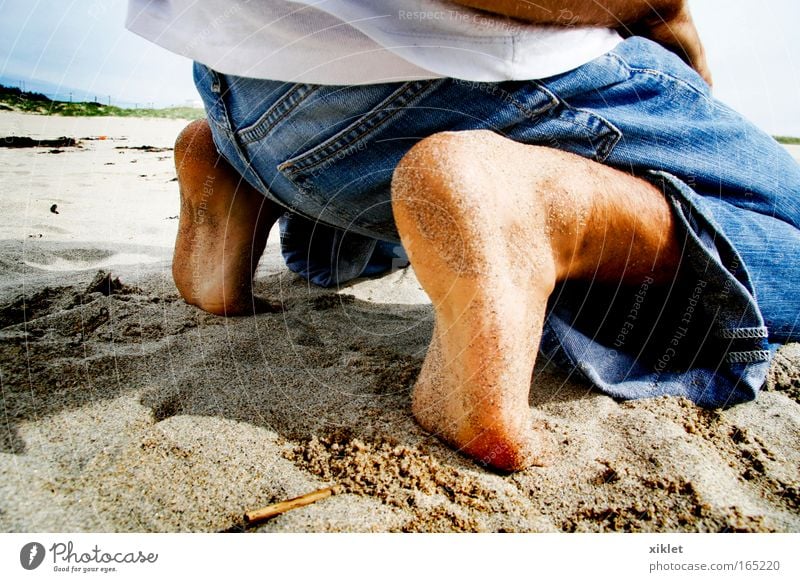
(15, 141)
(144, 148)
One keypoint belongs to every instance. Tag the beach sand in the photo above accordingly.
(127, 410)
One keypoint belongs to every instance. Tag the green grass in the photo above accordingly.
(787, 140)
(13, 99)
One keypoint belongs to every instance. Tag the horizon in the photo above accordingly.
(67, 94)
(83, 48)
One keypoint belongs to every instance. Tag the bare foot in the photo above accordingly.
(490, 226)
(223, 229)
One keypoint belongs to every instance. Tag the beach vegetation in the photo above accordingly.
(14, 99)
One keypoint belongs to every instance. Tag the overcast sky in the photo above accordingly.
(754, 51)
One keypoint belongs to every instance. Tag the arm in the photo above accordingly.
(609, 13)
(667, 22)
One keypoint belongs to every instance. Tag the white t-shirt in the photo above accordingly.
(352, 42)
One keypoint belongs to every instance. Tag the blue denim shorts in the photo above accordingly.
(327, 154)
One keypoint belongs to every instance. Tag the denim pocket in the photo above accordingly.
(371, 145)
(576, 130)
(282, 108)
(569, 126)
(374, 120)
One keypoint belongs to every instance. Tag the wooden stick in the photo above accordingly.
(270, 511)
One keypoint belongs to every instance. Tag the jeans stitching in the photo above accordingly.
(743, 333)
(531, 114)
(365, 126)
(216, 112)
(279, 110)
(750, 357)
(609, 137)
(231, 138)
(661, 75)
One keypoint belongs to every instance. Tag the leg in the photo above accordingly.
(223, 229)
(491, 226)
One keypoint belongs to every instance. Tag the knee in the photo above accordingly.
(194, 146)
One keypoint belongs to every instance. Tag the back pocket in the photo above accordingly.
(348, 174)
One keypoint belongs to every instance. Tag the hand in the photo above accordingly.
(667, 22)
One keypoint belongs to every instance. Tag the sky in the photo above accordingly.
(82, 45)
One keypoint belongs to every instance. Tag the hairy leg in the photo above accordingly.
(223, 229)
(491, 226)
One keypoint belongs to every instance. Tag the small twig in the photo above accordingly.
(270, 511)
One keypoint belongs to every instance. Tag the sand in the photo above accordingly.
(127, 410)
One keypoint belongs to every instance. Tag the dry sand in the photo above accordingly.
(127, 410)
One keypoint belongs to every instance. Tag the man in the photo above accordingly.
(554, 188)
